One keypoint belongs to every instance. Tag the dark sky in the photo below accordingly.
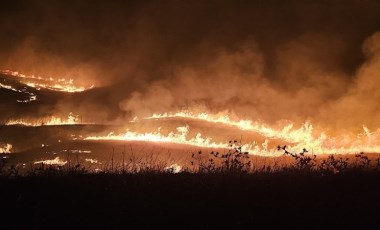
(267, 60)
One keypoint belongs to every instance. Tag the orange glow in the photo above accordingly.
(55, 161)
(174, 168)
(32, 96)
(287, 133)
(303, 137)
(178, 137)
(70, 120)
(181, 137)
(92, 161)
(37, 82)
(5, 148)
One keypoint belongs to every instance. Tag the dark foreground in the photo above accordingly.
(106, 201)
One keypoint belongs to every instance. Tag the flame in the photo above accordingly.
(92, 161)
(287, 133)
(298, 139)
(55, 161)
(37, 82)
(79, 151)
(5, 148)
(303, 137)
(70, 120)
(174, 168)
(179, 137)
(32, 96)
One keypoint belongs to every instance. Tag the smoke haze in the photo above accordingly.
(268, 60)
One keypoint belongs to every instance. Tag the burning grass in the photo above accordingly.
(319, 141)
(71, 119)
(38, 82)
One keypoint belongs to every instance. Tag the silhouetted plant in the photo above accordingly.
(13, 171)
(377, 167)
(3, 163)
(362, 160)
(303, 160)
(233, 161)
(334, 164)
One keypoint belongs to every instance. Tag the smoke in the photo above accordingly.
(293, 60)
(306, 85)
(360, 104)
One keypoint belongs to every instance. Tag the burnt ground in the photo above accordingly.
(201, 201)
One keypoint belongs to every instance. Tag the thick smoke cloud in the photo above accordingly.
(361, 101)
(268, 60)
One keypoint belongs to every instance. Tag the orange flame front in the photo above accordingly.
(70, 120)
(303, 137)
(299, 138)
(37, 82)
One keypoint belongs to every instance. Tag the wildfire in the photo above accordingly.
(179, 137)
(55, 161)
(287, 133)
(297, 138)
(5, 148)
(92, 161)
(303, 137)
(32, 96)
(70, 120)
(174, 168)
(37, 82)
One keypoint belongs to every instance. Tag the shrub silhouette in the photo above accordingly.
(334, 164)
(303, 160)
(363, 161)
(233, 161)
